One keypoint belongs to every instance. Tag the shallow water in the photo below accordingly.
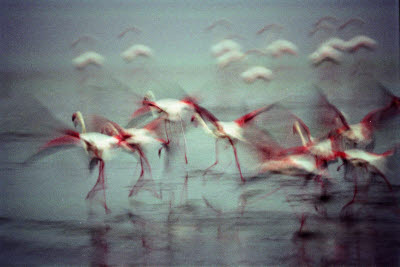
(214, 220)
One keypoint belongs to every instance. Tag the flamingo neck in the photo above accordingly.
(203, 124)
(149, 97)
(78, 118)
(297, 127)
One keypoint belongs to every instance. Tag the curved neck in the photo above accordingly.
(78, 118)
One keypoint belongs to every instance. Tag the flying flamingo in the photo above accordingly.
(257, 72)
(233, 131)
(136, 50)
(130, 29)
(326, 18)
(269, 27)
(325, 53)
(83, 38)
(324, 27)
(88, 58)
(224, 46)
(357, 20)
(361, 41)
(281, 47)
(223, 22)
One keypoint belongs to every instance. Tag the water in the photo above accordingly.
(215, 220)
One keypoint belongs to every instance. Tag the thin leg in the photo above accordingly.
(237, 160)
(184, 141)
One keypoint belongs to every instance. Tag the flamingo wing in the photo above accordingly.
(242, 121)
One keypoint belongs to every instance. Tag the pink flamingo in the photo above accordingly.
(232, 131)
(137, 139)
(169, 111)
(98, 147)
(362, 133)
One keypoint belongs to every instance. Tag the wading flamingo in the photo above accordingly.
(169, 111)
(135, 140)
(98, 147)
(232, 131)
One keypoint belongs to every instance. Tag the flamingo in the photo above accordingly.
(135, 139)
(325, 53)
(136, 50)
(81, 39)
(257, 72)
(232, 131)
(169, 111)
(362, 133)
(325, 27)
(97, 146)
(130, 29)
(361, 41)
(88, 58)
(326, 18)
(224, 46)
(229, 57)
(373, 162)
(356, 20)
(269, 27)
(281, 47)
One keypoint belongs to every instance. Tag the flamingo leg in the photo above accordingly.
(302, 222)
(184, 142)
(237, 160)
(216, 157)
(141, 181)
(99, 185)
(355, 191)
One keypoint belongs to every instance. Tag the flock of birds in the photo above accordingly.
(228, 51)
(295, 153)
